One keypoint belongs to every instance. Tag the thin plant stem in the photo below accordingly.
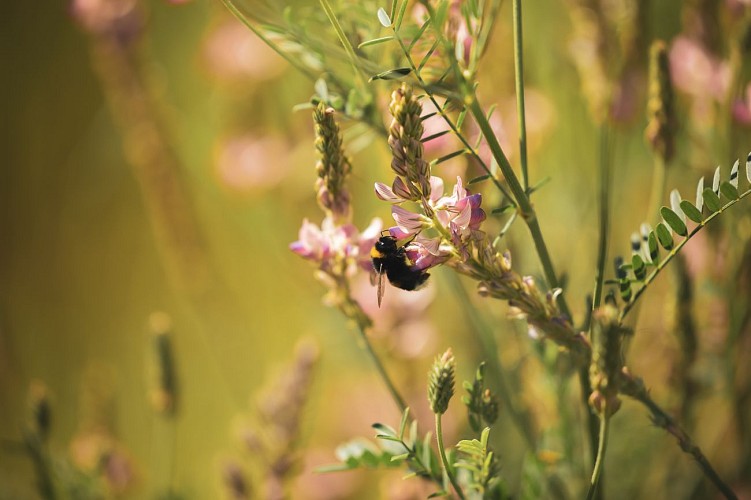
(444, 460)
(594, 482)
(525, 208)
(381, 370)
(519, 80)
(605, 170)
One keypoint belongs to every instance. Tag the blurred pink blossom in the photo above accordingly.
(334, 245)
(246, 163)
(697, 72)
(232, 52)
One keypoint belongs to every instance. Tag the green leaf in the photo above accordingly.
(384, 429)
(375, 41)
(712, 201)
(674, 221)
(734, 174)
(479, 179)
(691, 211)
(392, 74)
(729, 191)
(403, 423)
(383, 17)
(640, 269)
(654, 250)
(664, 236)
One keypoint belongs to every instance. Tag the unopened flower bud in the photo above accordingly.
(441, 382)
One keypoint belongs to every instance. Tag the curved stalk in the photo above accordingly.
(597, 471)
(444, 460)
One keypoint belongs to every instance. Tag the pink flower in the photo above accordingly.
(697, 72)
(337, 248)
(461, 211)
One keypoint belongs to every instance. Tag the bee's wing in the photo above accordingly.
(381, 283)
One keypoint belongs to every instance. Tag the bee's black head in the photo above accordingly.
(386, 244)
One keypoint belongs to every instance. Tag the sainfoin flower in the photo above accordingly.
(460, 213)
(337, 249)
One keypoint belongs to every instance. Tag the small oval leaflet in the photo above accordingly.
(691, 211)
(729, 191)
(383, 17)
(716, 181)
(664, 237)
(700, 194)
(392, 74)
(674, 221)
(654, 250)
(712, 201)
(734, 174)
(640, 270)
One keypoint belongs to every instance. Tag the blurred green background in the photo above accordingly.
(84, 264)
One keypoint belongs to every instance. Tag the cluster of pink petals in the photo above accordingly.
(459, 213)
(332, 245)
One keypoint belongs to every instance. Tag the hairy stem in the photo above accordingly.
(444, 460)
(635, 389)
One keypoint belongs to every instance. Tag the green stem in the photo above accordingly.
(444, 460)
(605, 167)
(381, 370)
(519, 80)
(597, 471)
(348, 48)
(524, 205)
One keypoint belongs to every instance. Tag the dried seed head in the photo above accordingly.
(660, 131)
(607, 361)
(333, 167)
(441, 382)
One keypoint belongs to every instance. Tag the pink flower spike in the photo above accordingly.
(423, 258)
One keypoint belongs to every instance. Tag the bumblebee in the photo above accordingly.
(391, 260)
